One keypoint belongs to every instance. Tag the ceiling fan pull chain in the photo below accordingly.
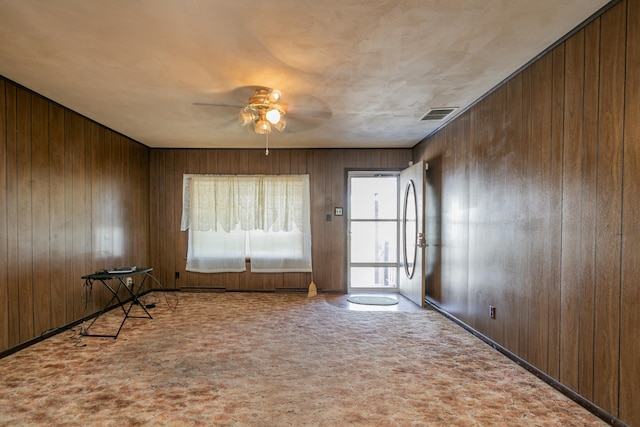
(266, 152)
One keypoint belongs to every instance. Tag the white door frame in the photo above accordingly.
(367, 173)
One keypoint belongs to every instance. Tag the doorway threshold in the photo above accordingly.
(404, 304)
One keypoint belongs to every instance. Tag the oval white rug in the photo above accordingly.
(372, 300)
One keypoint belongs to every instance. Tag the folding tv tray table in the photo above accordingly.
(114, 281)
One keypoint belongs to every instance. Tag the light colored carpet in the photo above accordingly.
(275, 360)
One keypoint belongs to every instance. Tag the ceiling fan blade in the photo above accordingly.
(308, 106)
(323, 115)
(302, 124)
(228, 124)
(235, 98)
(211, 104)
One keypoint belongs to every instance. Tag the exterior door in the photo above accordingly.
(373, 231)
(412, 238)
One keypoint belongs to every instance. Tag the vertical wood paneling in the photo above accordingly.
(496, 237)
(588, 209)
(540, 193)
(455, 210)
(555, 211)
(180, 237)
(41, 212)
(461, 269)
(571, 215)
(116, 205)
(525, 261)
(471, 204)
(479, 217)
(168, 259)
(163, 214)
(142, 154)
(12, 215)
(431, 207)
(322, 276)
(57, 215)
(100, 255)
(155, 174)
(86, 251)
(127, 203)
(96, 179)
(630, 291)
(25, 220)
(191, 167)
(51, 182)
(284, 162)
(609, 205)
(514, 187)
(69, 224)
(4, 283)
(337, 255)
(571, 193)
(79, 268)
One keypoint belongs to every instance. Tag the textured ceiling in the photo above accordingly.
(354, 73)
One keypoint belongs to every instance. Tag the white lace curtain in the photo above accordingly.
(219, 211)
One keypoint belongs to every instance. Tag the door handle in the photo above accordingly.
(421, 241)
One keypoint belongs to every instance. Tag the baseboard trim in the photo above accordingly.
(571, 394)
(291, 290)
(203, 289)
(55, 331)
(215, 289)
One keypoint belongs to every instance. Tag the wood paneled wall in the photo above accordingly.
(327, 176)
(73, 199)
(540, 203)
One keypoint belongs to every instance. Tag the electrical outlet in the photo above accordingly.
(129, 282)
(492, 311)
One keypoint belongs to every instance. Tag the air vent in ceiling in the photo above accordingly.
(438, 113)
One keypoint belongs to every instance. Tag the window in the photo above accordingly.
(231, 218)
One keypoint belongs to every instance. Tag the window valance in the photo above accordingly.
(248, 202)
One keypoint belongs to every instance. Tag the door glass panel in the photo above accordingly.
(373, 249)
(374, 241)
(374, 197)
(373, 277)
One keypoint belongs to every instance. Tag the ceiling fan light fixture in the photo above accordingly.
(273, 115)
(246, 116)
(262, 127)
(280, 125)
(274, 96)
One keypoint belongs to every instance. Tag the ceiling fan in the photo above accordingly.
(262, 110)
